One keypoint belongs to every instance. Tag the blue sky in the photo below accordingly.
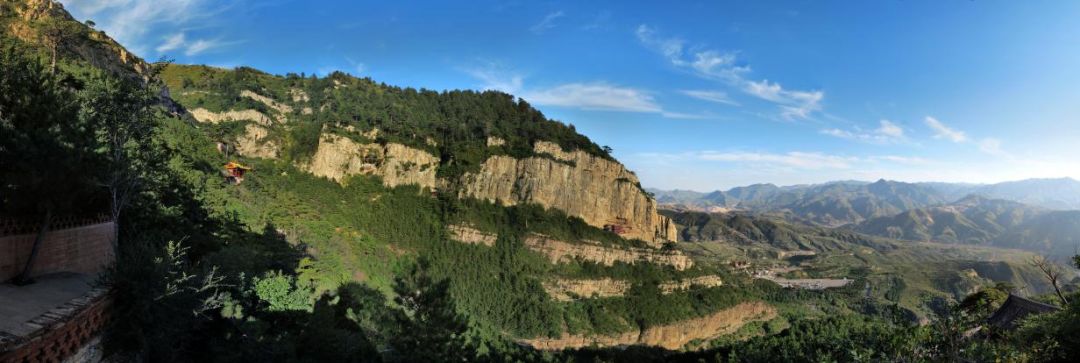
(696, 95)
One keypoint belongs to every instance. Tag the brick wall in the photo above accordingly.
(85, 249)
(63, 331)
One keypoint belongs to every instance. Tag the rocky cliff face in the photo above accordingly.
(561, 251)
(338, 157)
(671, 336)
(600, 191)
(567, 290)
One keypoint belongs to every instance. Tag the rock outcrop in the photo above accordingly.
(338, 157)
(700, 281)
(568, 290)
(255, 142)
(466, 234)
(561, 251)
(204, 115)
(670, 336)
(600, 191)
(281, 108)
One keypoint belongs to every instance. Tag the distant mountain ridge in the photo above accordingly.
(829, 204)
(1055, 194)
(983, 221)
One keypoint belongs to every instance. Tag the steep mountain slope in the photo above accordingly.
(339, 126)
(46, 23)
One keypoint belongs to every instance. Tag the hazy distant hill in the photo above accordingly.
(842, 202)
(1063, 193)
(972, 220)
(744, 229)
(830, 204)
(1056, 233)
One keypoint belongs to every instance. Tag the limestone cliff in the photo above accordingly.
(567, 289)
(338, 157)
(561, 251)
(255, 142)
(600, 191)
(467, 234)
(670, 336)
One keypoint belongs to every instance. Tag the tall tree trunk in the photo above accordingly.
(1061, 296)
(52, 67)
(24, 277)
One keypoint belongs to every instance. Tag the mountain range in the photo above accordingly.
(1033, 214)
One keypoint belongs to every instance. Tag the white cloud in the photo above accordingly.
(496, 77)
(687, 116)
(711, 96)
(594, 96)
(988, 145)
(358, 67)
(991, 146)
(793, 104)
(131, 22)
(179, 41)
(547, 23)
(793, 159)
(671, 48)
(942, 131)
(886, 133)
(906, 160)
(890, 129)
(171, 43)
(202, 45)
(725, 67)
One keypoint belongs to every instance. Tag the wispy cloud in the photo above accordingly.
(725, 67)
(793, 104)
(593, 96)
(179, 41)
(796, 159)
(886, 133)
(906, 160)
(944, 132)
(547, 22)
(988, 145)
(711, 96)
(358, 67)
(132, 22)
(791, 160)
(991, 146)
(173, 42)
(202, 45)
